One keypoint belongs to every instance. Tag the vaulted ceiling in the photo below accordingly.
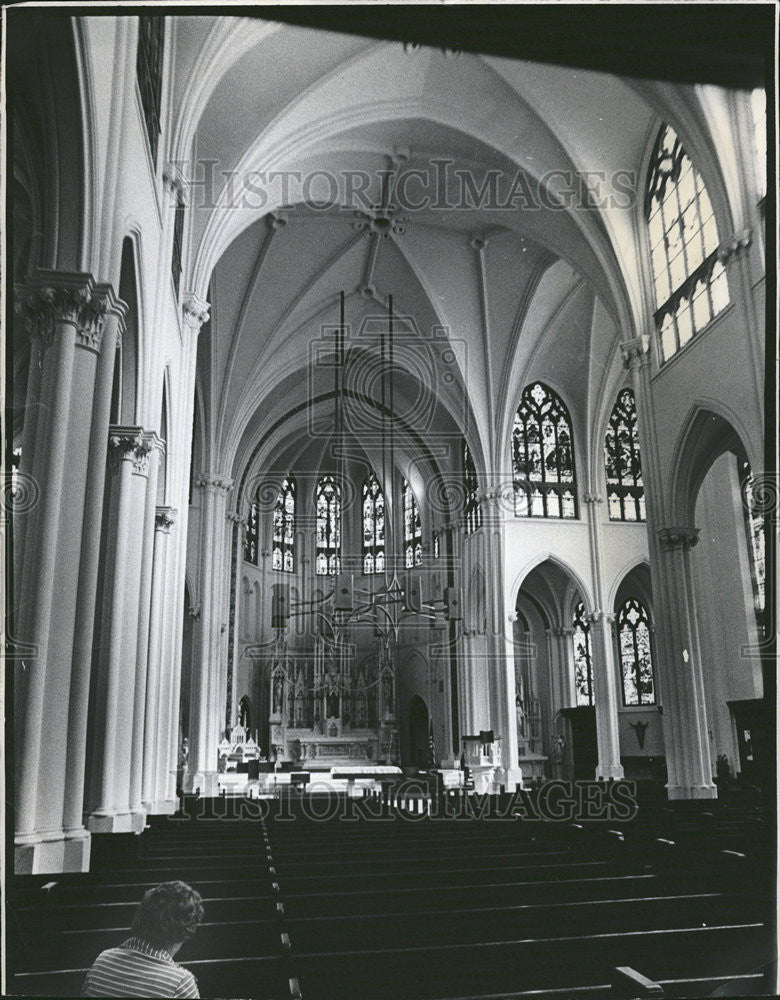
(521, 290)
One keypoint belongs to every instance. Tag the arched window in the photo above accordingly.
(283, 557)
(472, 511)
(412, 528)
(373, 526)
(690, 281)
(436, 545)
(636, 659)
(328, 506)
(583, 663)
(625, 490)
(543, 456)
(250, 535)
(754, 526)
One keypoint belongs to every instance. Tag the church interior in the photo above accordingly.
(387, 436)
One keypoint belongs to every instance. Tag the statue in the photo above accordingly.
(277, 695)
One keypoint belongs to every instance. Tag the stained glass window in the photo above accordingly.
(690, 281)
(373, 526)
(625, 489)
(412, 528)
(328, 507)
(583, 663)
(754, 524)
(250, 535)
(543, 456)
(149, 60)
(283, 556)
(636, 658)
(471, 509)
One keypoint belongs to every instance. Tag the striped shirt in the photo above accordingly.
(137, 969)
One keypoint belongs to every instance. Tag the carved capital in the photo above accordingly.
(130, 444)
(214, 482)
(635, 352)
(173, 181)
(734, 247)
(57, 298)
(164, 518)
(195, 311)
(678, 538)
(593, 498)
(236, 519)
(597, 617)
(277, 220)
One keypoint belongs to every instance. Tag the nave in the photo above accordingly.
(668, 904)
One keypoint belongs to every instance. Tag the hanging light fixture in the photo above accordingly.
(398, 600)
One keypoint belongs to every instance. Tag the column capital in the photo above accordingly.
(635, 352)
(498, 497)
(235, 518)
(132, 444)
(734, 247)
(173, 181)
(164, 518)
(73, 298)
(214, 482)
(678, 538)
(561, 632)
(195, 311)
(593, 498)
(596, 617)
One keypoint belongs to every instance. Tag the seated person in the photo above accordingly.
(143, 965)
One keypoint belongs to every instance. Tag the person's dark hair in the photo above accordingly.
(167, 914)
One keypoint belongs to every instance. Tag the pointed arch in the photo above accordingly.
(623, 461)
(689, 281)
(583, 659)
(373, 526)
(283, 553)
(710, 429)
(636, 658)
(328, 536)
(412, 527)
(543, 455)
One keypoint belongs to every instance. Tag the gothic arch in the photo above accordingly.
(709, 430)
(573, 575)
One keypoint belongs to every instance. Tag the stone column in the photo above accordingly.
(73, 324)
(453, 569)
(132, 451)
(685, 713)
(497, 500)
(159, 673)
(235, 624)
(689, 767)
(208, 683)
(142, 640)
(195, 312)
(605, 696)
(566, 690)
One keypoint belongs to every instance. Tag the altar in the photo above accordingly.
(325, 751)
(327, 709)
